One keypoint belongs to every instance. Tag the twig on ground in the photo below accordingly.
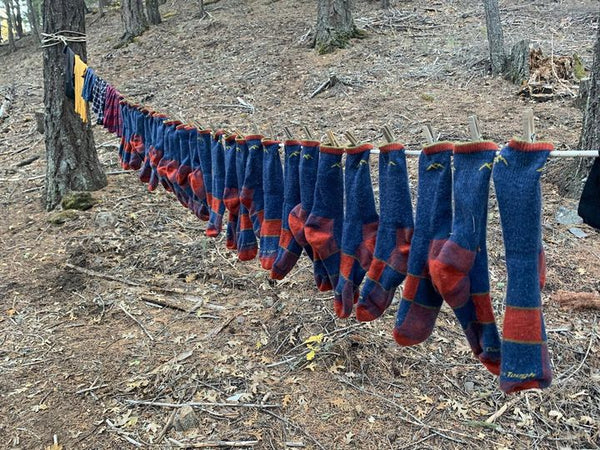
(141, 325)
(202, 404)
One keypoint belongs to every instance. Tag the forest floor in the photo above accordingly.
(82, 338)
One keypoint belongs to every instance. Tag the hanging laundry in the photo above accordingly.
(525, 357)
(156, 151)
(112, 112)
(196, 176)
(78, 78)
(247, 247)
(589, 204)
(89, 83)
(289, 250)
(420, 302)
(309, 162)
(394, 234)
(138, 139)
(273, 200)
(217, 207)
(459, 270)
(359, 229)
(324, 225)
(252, 194)
(231, 193)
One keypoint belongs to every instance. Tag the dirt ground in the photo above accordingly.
(83, 339)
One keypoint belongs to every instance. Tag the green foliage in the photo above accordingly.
(578, 67)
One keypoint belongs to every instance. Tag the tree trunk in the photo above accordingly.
(33, 20)
(18, 19)
(134, 20)
(495, 36)
(9, 24)
(590, 135)
(335, 26)
(101, 5)
(201, 10)
(71, 160)
(153, 12)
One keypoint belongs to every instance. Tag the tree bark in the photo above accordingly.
(72, 162)
(18, 19)
(590, 134)
(33, 20)
(495, 36)
(134, 20)
(153, 12)
(9, 24)
(335, 26)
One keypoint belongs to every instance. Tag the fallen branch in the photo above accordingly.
(27, 161)
(297, 427)
(221, 444)
(141, 325)
(202, 404)
(328, 84)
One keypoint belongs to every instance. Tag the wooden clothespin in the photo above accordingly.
(388, 134)
(474, 128)
(351, 138)
(288, 133)
(239, 134)
(332, 139)
(307, 132)
(528, 126)
(429, 134)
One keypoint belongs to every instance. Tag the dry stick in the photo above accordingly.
(163, 303)
(167, 426)
(297, 427)
(91, 388)
(202, 404)
(592, 336)
(122, 434)
(136, 321)
(93, 273)
(221, 444)
(27, 161)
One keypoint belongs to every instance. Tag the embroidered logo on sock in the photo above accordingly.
(363, 162)
(501, 158)
(487, 166)
(307, 156)
(337, 164)
(541, 169)
(296, 153)
(435, 166)
(253, 147)
(391, 163)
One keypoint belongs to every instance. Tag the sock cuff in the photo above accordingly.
(438, 147)
(331, 150)
(396, 146)
(290, 142)
(522, 146)
(206, 131)
(231, 138)
(310, 143)
(254, 137)
(270, 142)
(474, 147)
(220, 132)
(359, 149)
(240, 140)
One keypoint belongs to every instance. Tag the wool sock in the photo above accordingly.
(192, 163)
(420, 302)
(453, 267)
(167, 165)
(324, 225)
(146, 169)
(270, 230)
(309, 162)
(185, 163)
(156, 153)
(217, 207)
(136, 140)
(525, 358)
(204, 150)
(176, 139)
(392, 245)
(247, 247)
(196, 176)
(289, 250)
(252, 195)
(124, 146)
(231, 193)
(359, 229)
